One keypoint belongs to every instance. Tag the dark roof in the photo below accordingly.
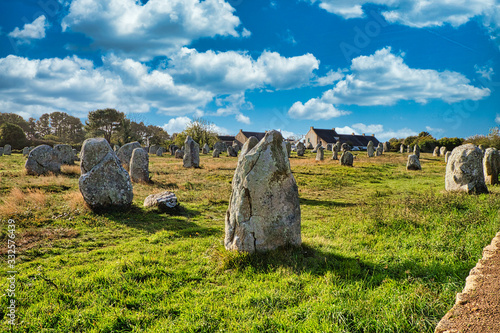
(330, 136)
(226, 137)
(258, 135)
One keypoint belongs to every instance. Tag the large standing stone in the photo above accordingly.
(153, 149)
(42, 160)
(173, 148)
(139, 166)
(26, 151)
(220, 145)
(447, 156)
(236, 146)
(402, 148)
(164, 201)
(380, 149)
(443, 151)
(491, 166)
(436, 152)
(370, 149)
(346, 159)
(191, 157)
(216, 153)
(125, 153)
(464, 171)
(386, 147)
(160, 151)
(206, 149)
(309, 145)
(346, 147)
(413, 163)
(104, 183)
(301, 148)
(416, 150)
(320, 154)
(264, 209)
(65, 154)
(315, 150)
(7, 150)
(336, 148)
(231, 152)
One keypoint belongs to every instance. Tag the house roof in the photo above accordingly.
(258, 135)
(226, 137)
(331, 136)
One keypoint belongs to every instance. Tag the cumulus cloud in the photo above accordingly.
(315, 109)
(232, 72)
(176, 125)
(330, 78)
(34, 30)
(434, 130)
(155, 28)
(75, 85)
(243, 119)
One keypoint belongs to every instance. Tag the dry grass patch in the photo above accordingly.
(18, 201)
(70, 169)
(32, 238)
(74, 200)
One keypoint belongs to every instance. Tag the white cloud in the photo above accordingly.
(243, 119)
(345, 130)
(497, 119)
(232, 72)
(434, 130)
(176, 125)
(330, 78)
(155, 28)
(485, 71)
(34, 30)
(315, 109)
(384, 79)
(287, 134)
(362, 128)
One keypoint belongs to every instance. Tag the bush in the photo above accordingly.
(13, 135)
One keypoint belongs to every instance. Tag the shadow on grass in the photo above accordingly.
(325, 203)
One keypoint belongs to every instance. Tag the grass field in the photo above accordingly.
(384, 250)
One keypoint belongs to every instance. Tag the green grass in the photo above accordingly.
(384, 250)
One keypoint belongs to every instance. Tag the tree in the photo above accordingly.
(201, 130)
(450, 143)
(31, 133)
(42, 126)
(13, 135)
(157, 135)
(14, 119)
(104, 123)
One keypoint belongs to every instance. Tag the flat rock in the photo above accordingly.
(164, 201)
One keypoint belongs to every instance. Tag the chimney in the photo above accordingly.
(333, 129)
(353, 133)
(373, 135)
(363, 134)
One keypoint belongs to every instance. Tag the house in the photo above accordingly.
(326, 136)
(243, 136)
(227, 139)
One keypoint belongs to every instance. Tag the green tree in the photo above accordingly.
(157, 135)
(450, 143)
(14, 119)
(200, 130)
(104, 123)
(13, 135)
(42, 126)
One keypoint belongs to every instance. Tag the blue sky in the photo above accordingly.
(392, 68)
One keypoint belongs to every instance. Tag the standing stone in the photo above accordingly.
(370, 150)
(336, 149)
(231, 152)
(236, 146)
(104, 183)
(416, 151)
(402, 149)
(160, 151)
(42, 160)
(26, 151)
(220, 145)
(443, 151)
(173, 148)
(413, 163)
(386, 147)
(191, 157)
(206, 149)
(153, 149)
(179, 153)
(1, 151)
(346, 147)
(320, 155)
(436, 152)
(288, 148)
(125, 153)
(309, 145)
(65, 154)
(491, 166)
(447, 156)
(329, 147)
(249, 144)
(408, 149)
(346, 159)
(139, 166)
(264, 208)
(7, 150)
(216, 153)
(315, 150)
(464, 171)
(301, 148)
(380, 149)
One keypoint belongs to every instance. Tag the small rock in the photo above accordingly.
(164, 201)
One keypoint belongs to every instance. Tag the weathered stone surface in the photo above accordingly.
(216, 153)
(160, 151)
(26, 151)
(346, 159)
(408, 150)
(370, 149)
(416, 151)
(231, 152)
(179, 153)
(329, 146)
(116, 148)
(345, 147)
(320, 154)
(221, 146)
(315, 150)
(1, 151)
(386, 147)
(236, 146)
(402, 148)
(205, 149)
(264, 209)
(464, 171)
(172, 149)
(288, 148)
(413, 163)
(443, 151)
(125, 153)
(309, 145)
(491, 166)
(42, 160)
(482, 148)
(436, 152)
(301, 148)
(336, 149)
(139, 166)
(380, 149)
(7, 150)
(249, 144)
(164, 201)
(447, 156)
(65, 154)
(191, 157)
(104, 183)
(153, 149)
